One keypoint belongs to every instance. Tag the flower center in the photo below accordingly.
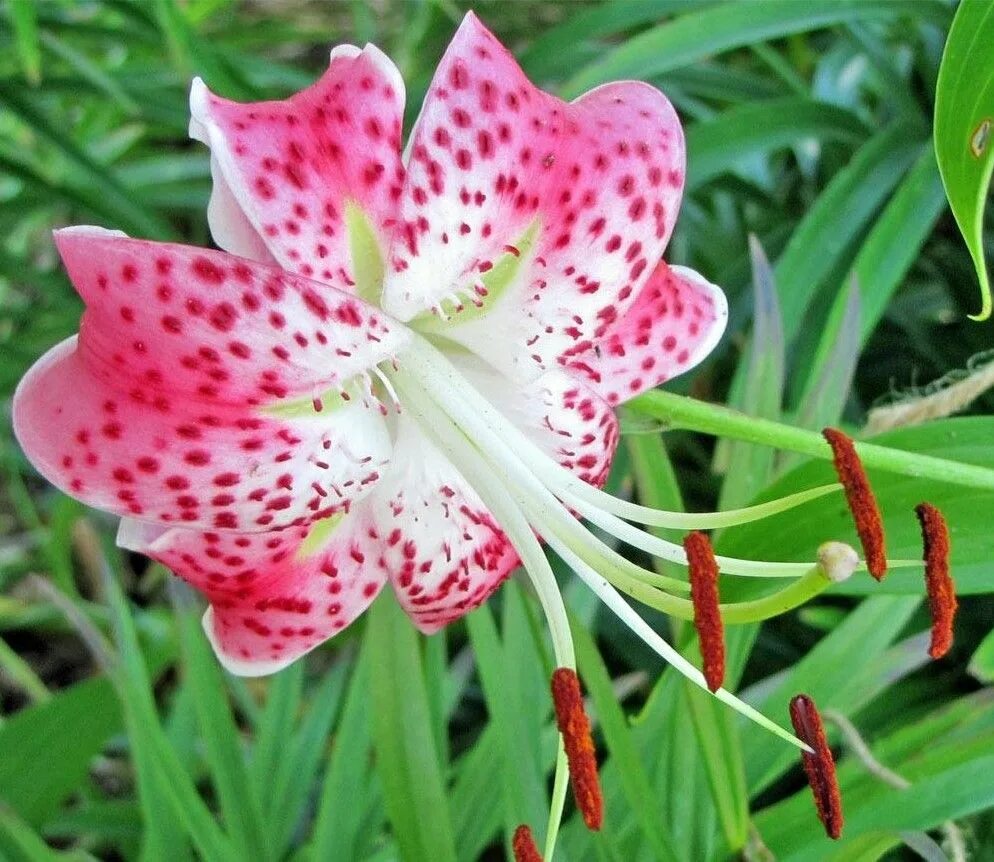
(531, 494)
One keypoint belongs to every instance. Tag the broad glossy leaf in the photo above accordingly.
(964, 128)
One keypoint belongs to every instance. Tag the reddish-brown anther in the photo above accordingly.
(524, 847)
(707, 613)
(938, 582)
(579, 745)
(862, 503)
(819, 765)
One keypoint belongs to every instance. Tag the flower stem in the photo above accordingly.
(689, 414)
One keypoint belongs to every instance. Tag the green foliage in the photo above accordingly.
(808, 128)
(964, 125)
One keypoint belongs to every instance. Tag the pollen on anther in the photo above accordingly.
(819, 765)
(862, 503)
(938, 583)
(575, 729)
(707, 613)
(523, 846)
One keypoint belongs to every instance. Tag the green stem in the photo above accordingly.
(795, 594)
(689, 414)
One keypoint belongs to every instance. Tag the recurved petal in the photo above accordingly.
(274, 596)
(439, 545)
(676, 321)
(193, 394)
(160, 455)
(296, 166)
(214, 326)
(564, 417)
(585, 193)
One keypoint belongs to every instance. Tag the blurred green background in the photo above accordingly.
(809, 126)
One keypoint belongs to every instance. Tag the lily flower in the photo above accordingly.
(403, 366)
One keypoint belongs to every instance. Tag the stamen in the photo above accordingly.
(524, 847)
(819, 765)
(575, 728)
(938, 582)
(707, 613)
(862, 503)
(388, 386)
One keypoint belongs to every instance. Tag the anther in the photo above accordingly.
(524, 847)
(819, 765)
(862, 503)
(707, 613)
(575, 728)
(938, 582)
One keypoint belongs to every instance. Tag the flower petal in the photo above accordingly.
(274, 596)
(170, 459)
(295, 167)
(441, 548)
(217, 327)
(493, 160)
(190, 396)
(563, 416)
(676, 321)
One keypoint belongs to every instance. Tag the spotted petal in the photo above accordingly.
(274, 596)
(590, 188)
(563, 416)
(441, 548)
(675, 322)
(189, 397)
(313, 175)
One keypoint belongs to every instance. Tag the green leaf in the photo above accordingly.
(621, 745)
(748, 467)
(962, 439)
(275, 728)
(165, 786)
(698, 34)
(719, 144)
(890, 249)
(293, 783)
(520, 773)
(982, 661)
(24, 17)
(964, 128)
(553, 51)
(831, 377)
(340, 817)
(839, 216)
(42, 764)
(20, 843)
(945, 757)
(239, 803)
(406, 759)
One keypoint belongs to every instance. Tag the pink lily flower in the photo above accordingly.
(237, 408)
(403, 367)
